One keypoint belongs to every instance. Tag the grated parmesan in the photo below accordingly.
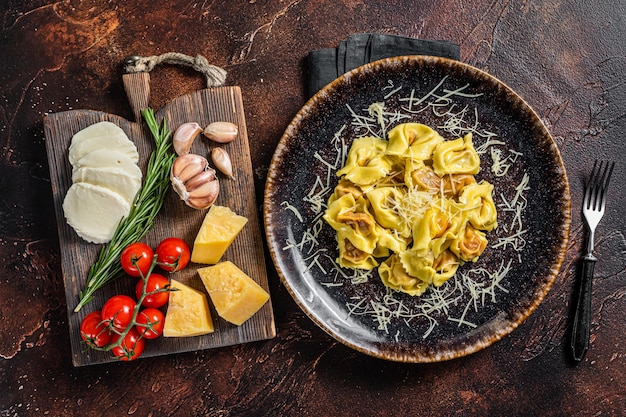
(475, 287)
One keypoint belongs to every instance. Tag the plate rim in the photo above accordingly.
(511, 323)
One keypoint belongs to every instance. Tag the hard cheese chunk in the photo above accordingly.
(188, 312)
(234, 294)
(219, 228)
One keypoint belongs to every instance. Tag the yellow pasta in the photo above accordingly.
(445, 266)
(456, 157)
(366, 162)
(411, 207)
(351, 257)
(413, 140)
(482, 210)
(469, 244)
(348, 187)
(352, 220)
(392, 241)
(383, 200)
(422, 177)
(393, 275)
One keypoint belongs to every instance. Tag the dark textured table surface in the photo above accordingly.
(566, 58)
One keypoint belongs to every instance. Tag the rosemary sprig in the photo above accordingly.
(147, 203)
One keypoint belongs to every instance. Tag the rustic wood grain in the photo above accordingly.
(175, 218)
(565, 58)
(137, 87)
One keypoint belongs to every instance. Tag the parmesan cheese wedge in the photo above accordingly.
(188, 312)
(219, 229)
(113, 178)
(94, 211)
(101, 158)
(112, 143)
(235, 295)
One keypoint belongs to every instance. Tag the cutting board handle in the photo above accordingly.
(137, 78)
(137, 87)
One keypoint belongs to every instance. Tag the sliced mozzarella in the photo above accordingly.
(93, 211)
(98, 129)
(113, 178)
(101, 158)
(112, 143)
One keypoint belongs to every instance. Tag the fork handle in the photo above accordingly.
(582, 319)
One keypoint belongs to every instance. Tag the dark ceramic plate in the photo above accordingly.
(486, 300)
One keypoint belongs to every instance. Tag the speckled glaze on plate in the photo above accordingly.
(546, 218)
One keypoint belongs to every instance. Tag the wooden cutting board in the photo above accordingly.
(175, 219)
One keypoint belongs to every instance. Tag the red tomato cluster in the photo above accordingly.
(122, 326)
(172, 255)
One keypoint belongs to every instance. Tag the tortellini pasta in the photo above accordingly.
(366, 162)
(456, 157)
(411, 207)
(413, 140)
(383, 200)
(353, 257)
(482, 210)
(393, 275)
(353, 221)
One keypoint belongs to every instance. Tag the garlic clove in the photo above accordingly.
(187, 166)
(194, 181)
(221, 132)
(204, 197)
(184, 136)
(179, 187)
(197, 181)
(222, 161)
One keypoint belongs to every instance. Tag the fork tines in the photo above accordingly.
(595, 195)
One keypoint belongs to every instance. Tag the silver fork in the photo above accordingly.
(594, 203)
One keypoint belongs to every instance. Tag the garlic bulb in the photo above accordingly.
(184, 137)
(221, 132)
(221, 160)
(194, 181)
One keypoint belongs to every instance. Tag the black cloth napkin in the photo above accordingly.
(324, 65)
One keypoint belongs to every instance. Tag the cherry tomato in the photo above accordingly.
(137, 257)
(131, 346)
(173, 254)
(94, 331)
(150, 323)
(155, 282)
(119, 311)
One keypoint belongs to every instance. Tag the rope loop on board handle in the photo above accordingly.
(215, 76)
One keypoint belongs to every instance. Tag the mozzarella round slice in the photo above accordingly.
(101, 158)
(113, 178)
(93, 211)
(98, 129)
(112, 143)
